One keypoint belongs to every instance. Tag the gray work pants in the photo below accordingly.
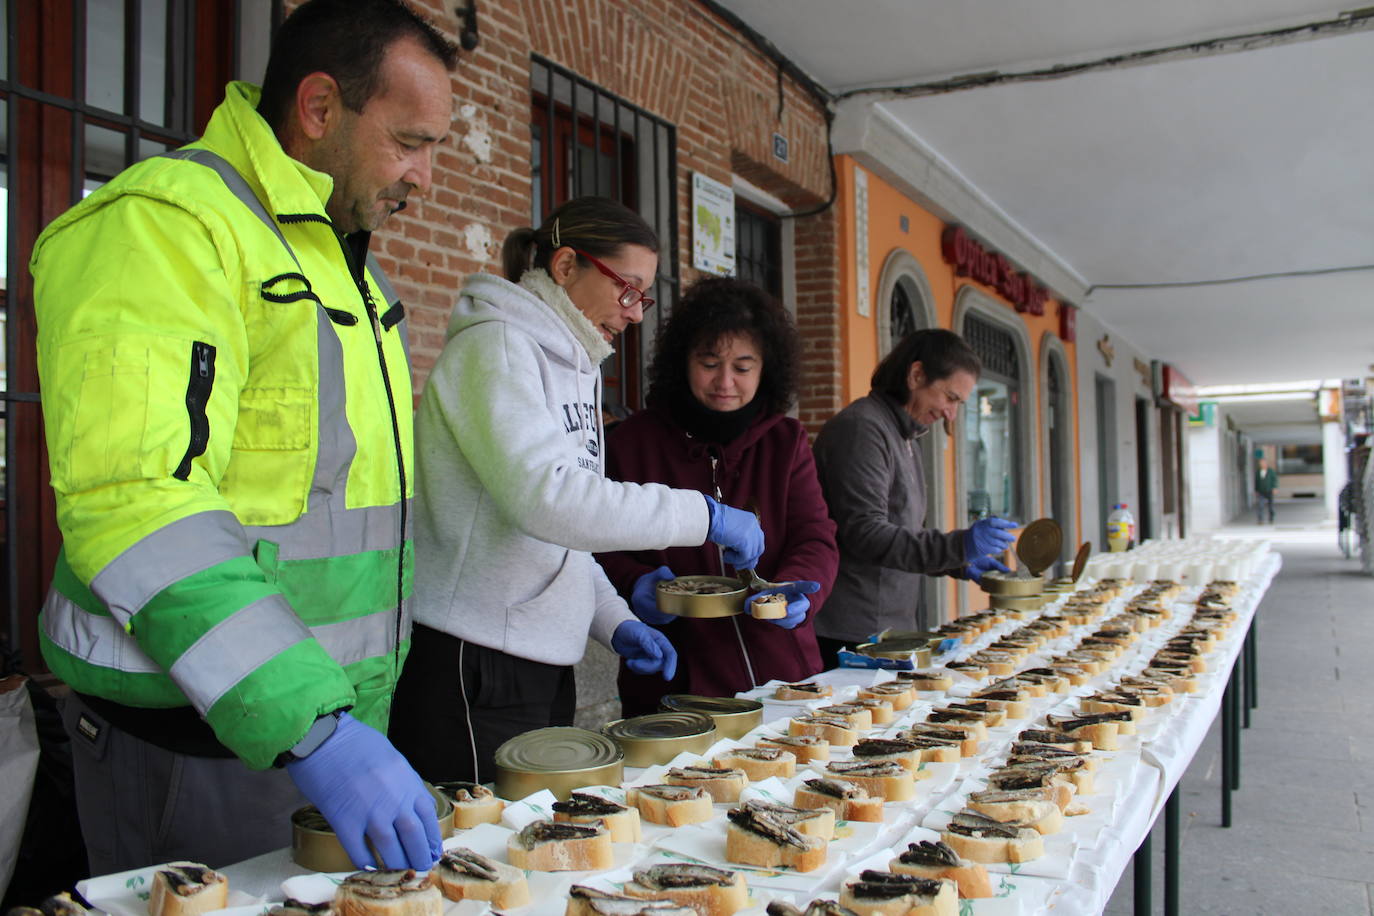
(142, 805)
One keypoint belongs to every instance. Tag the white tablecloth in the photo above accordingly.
(1095, 849)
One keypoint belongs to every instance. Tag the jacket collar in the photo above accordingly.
(907, 427)
(761, 425)
(238, 133)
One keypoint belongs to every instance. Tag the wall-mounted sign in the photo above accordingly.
(713, 226)
(970, 259)
(1068, 323)
(1143, 370)
(1104, 346)
(1206, 415)
(780, 147)
(1172, 388)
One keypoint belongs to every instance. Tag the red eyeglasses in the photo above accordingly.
(629, 296)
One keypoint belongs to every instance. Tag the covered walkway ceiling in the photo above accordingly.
(1201, 142)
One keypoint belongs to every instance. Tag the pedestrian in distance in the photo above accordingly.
(1266, 482)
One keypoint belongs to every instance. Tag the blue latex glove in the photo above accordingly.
(364, 787)
(644, 598)
(797, 602)
(981, 565)
(738, 532)
(988, 536)
(644, 649)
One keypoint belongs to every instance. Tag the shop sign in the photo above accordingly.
(1068, 323)
(713, 226)
(1173, 389)
(970, 259)
(1206, 415)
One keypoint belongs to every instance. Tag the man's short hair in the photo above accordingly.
(348, 40)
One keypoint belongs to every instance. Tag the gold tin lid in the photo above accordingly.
(661, 725)
(900, 648)
(659, 737)
(558, 758)
(734, 716)
(1038, 546)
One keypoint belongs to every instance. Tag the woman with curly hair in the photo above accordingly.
(724, 374)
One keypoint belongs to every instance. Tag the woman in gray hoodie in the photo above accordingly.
(511, 497)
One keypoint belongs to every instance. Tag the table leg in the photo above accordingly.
(1141, 892)
(1237, 685)
(1226, 756)
(1172, 878)
(1252, 663)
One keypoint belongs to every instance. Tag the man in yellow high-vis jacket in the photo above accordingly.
(228, 410)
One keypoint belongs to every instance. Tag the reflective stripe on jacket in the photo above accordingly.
(228, 417)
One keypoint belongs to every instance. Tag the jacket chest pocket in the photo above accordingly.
(268, 477)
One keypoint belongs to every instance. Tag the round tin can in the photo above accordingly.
(314, 845)
(726, 601)
(733, 716)
(560, 759)
(1017, 602)
(660, 736)
(1011, 586)
(900, 648)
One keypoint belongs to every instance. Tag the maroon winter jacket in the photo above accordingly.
(769, 467)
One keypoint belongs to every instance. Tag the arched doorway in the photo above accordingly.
(906, 304)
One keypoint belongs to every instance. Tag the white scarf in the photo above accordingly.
(538, 281)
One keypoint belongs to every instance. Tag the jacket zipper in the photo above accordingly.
(715, 491)
(198, 388)
(360, 280)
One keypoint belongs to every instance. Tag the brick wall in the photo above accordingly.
(673, 58)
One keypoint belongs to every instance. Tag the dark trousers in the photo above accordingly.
(140, 804)
(457, 702)
(1263, 499)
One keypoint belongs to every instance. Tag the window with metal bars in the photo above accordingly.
(587, 141)
(87, 87)
(758, 247)
(994, 346)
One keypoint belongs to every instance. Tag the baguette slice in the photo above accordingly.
(963, 718)
(859, 718)
(849, 801)
(927, 679)
(880, 893)
(807, 691)
(707, 890)
(462, 874)
(1026, 806)
(1059, 786)
(388, 893)
(187, 889)
(806, 748)
(814, 908)
(1057, 738)
(965, 736)
(934, 750)
(880, 708)
(758, 838)
(992, 715)
(581, 808)
(769, 607)
(888, 779)
(473, 803)
(833, 729)
(810, 821)
(551, 846)
(900, 695)
(1101, 729)
(588, 901)
(673, 806)
(880, 750)
(759, 763)
(982, 839)
(928, 859)
(723, 785)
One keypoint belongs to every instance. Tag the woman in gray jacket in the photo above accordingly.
(511, 498)
(871, 473)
